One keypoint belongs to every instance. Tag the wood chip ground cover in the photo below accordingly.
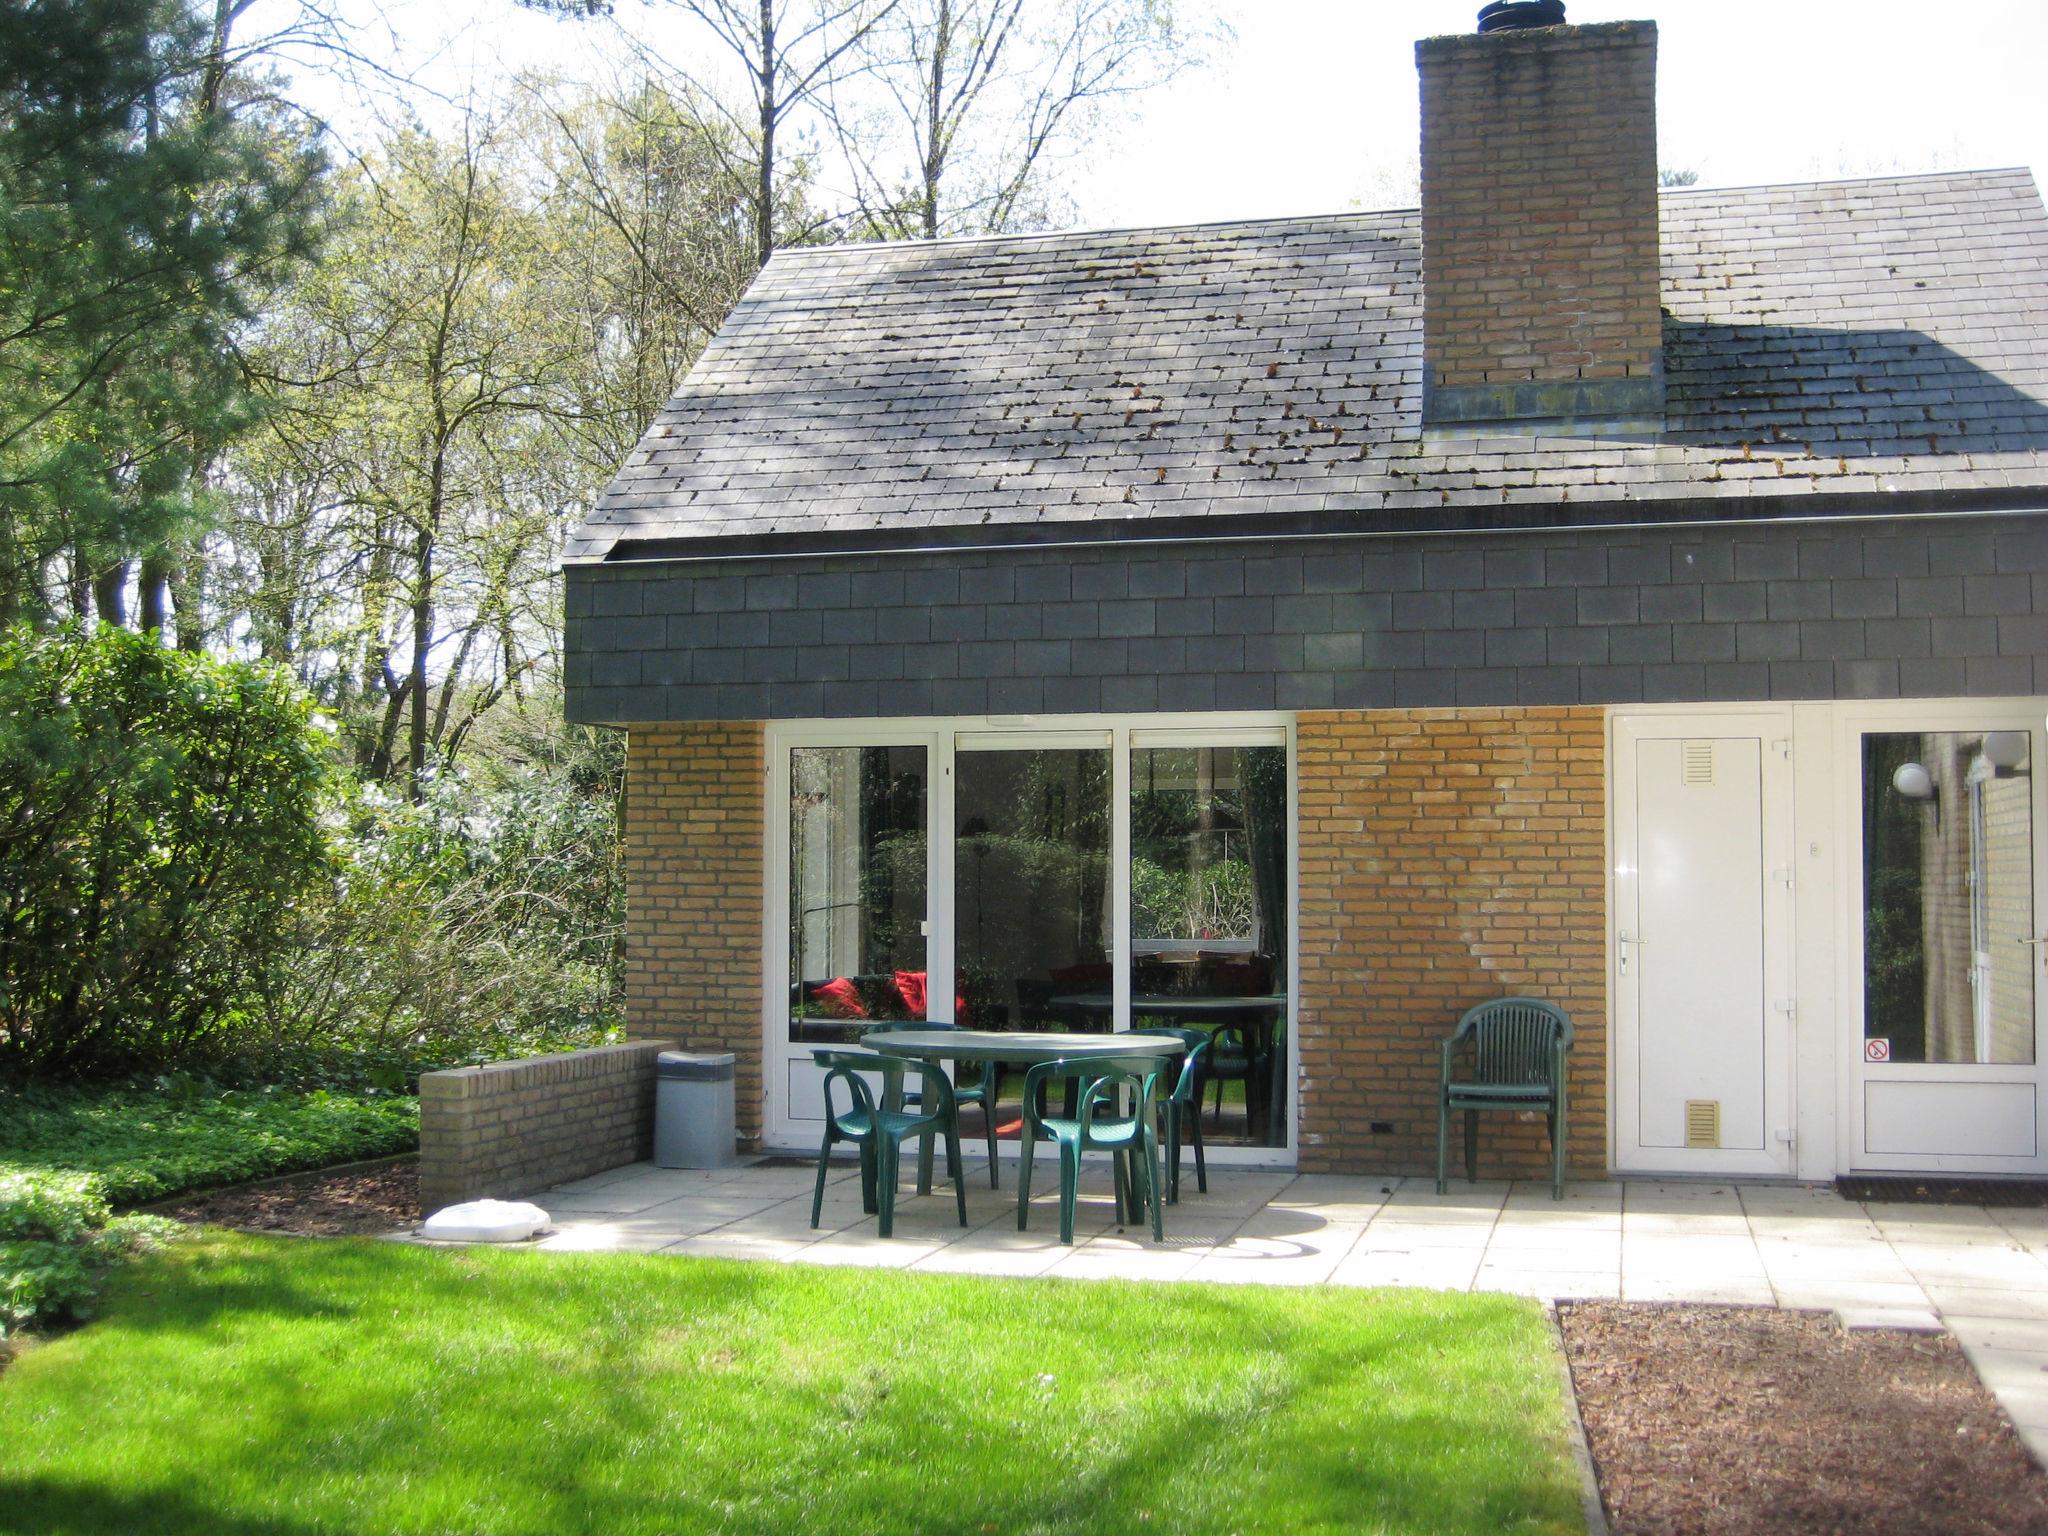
(342, 1202)
(1736, 1421)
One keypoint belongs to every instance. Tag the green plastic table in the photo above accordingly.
(1023, 1048)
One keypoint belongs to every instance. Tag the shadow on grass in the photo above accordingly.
(41, 1506)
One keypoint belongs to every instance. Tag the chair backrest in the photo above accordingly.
(1187, 1086)
(1100, 1079)
(850, 1067)
(1515, 1039)
(847, 1068)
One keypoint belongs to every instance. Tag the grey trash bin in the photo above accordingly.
(693, 1109)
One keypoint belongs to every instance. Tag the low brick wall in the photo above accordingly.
(513, 1127)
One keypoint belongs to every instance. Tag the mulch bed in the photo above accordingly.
(1733, 1421)
(337, 1202)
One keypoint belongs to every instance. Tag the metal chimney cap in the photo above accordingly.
(1514, 15)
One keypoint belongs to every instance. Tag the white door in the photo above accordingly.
(1702, 946)
(1945, 947)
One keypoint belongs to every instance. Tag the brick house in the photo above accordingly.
(1310, 627)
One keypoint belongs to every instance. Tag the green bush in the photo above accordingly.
(158, 820)
(58, 1207)
(480, 923)
(150, 1143)
(57, 1241)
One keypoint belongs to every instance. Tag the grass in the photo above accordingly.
(147, 1144)
(240, 1385)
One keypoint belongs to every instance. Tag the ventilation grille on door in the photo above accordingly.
(1703, 1123)
(1697, 762)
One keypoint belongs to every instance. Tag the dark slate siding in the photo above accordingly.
(1869, 609)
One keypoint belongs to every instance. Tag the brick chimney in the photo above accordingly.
(1540, 310)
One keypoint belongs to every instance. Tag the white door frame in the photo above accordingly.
(1851, 722)
(942, 736)
(1772, 726)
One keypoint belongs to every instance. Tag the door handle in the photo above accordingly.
(1622, 940)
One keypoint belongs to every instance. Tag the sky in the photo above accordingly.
(1313, 107)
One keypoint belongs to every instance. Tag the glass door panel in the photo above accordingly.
(857, 882)
(1208, 917)
(1947, 987)
(1031, 912)
(1950, 947)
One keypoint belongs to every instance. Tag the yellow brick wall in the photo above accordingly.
(693, 893)
(1447, 856)
(1540, 252)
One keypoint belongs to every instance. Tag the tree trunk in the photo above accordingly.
(934, 167)
(764, 190)
(188, 596)
(422, 640)
(110, 594)
(153, 593)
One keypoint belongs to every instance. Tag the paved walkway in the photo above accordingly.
(1981, 1272)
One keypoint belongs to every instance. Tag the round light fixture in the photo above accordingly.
(2005, 749)
(1914, 782)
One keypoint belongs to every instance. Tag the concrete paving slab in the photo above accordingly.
(1887, 1319)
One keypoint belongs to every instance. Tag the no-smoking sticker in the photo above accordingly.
(1877, 1050)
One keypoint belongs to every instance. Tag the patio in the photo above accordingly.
(1982, 1273)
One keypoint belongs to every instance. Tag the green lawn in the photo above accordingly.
(241, 1385)
(146, 1144)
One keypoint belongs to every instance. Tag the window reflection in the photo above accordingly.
(1209, 921)
(1948, 897)
(1031, 884)
(856, 889)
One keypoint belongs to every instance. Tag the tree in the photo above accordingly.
(495, 324)
(416, 374)
(139, 228)
(792, 53)
(651, 242)
(158, 818)
(963, 104)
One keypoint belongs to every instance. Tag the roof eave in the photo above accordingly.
(1378, 522)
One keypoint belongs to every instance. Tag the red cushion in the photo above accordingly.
(840, 998)
(910, 985)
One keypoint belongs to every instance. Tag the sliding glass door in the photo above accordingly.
(1032, 933)
(1109, 877)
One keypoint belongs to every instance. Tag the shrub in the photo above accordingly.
(147, 1143)
(158, 819)
(480, 923)
(57, 1241)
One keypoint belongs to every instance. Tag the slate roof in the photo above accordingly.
(1830, 347)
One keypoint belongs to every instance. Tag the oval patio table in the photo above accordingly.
(1023, 1048)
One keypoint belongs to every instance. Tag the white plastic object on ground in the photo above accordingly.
(485, 1221)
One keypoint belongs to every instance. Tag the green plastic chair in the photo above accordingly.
(1230, 1061)
(880, 1132)
(1132, 1140)
(1518, 1047)
(1183, 1107)
(983, 1091)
